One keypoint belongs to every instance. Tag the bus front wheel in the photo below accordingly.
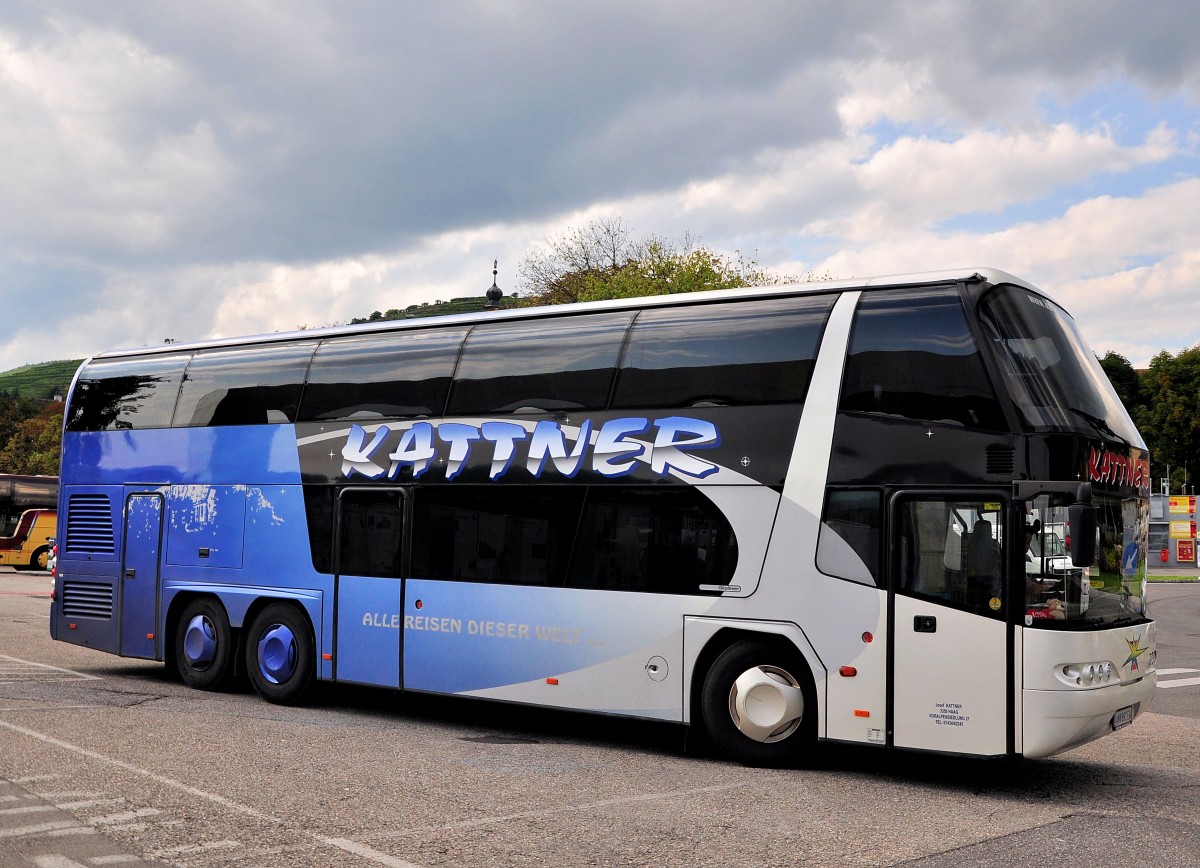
(757, 704)
(280, 654)
(40, 559)
(204, 645)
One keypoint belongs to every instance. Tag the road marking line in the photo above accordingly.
(1179, 682)
(54, 860)
(71, 831)
(116, 859)
(369, 853)
(22, 831)
(55, 668)
(525, 815)
(28, 809)
(196, 848)
(32, 779)
(86, 803)
(1176, 671)
(123, 817)
(64, 794)
(339, 843)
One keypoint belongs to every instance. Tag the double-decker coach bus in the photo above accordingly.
(785, 514)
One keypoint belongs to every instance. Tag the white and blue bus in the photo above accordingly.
(785, 515)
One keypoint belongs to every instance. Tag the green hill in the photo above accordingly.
(40, 380)
(466, 304)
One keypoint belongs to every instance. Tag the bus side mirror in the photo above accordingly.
(1082, 517)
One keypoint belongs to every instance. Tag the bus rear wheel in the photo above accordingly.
(40, 559)
(204, 645)
(757, 704)
(280, 654)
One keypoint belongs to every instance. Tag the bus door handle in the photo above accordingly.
(924, 624)
(129, 574)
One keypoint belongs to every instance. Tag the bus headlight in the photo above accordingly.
(1093, 674)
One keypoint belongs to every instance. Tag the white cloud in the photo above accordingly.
(197, 171)
(93, 175)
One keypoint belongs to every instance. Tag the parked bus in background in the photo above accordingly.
(782, 515)
(27, 519)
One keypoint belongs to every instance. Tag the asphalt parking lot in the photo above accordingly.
(104, 759)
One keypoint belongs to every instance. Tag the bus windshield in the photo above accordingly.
(1060, 594)
(1053, 377)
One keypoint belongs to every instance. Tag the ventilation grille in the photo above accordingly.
(89, 525)
(1001, 460)
(87, 600)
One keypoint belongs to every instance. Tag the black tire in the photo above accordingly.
(204, 645)
(40, 559)
(280, 654)
(782, 685)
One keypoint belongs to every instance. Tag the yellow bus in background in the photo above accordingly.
(28, 519)
(29, 545)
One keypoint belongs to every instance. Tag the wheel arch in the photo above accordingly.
(706, 638)
(241, 606)
(175, 607)
(36, 557)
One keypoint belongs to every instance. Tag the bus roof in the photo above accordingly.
(889, 281)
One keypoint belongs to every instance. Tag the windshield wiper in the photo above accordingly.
(1096, 422)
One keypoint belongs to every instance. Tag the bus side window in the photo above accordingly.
(565, 364)
(503, 534)
(912, 355)
(249, 386)
(849, 543)
(758, 352)
(393, 375)
(129, 393)
(952, 552)
(672, 541)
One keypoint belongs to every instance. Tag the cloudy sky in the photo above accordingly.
(195, 170)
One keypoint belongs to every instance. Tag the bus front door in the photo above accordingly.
(950, 661)
(139, 596)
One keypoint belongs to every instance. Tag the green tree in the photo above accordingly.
(35, 443)
(14, 410)
(1170, 418)
(603, 260)
(1125, 381)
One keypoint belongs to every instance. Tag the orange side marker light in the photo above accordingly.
(861, 712)
(848, 671)
(552, 681)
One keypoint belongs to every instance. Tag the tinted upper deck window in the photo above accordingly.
(747, 352)
(245, 386)
(559, 364)
(912, 356)
(126, 393)
(393, 375)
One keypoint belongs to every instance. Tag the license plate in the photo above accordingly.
(1123, 717)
